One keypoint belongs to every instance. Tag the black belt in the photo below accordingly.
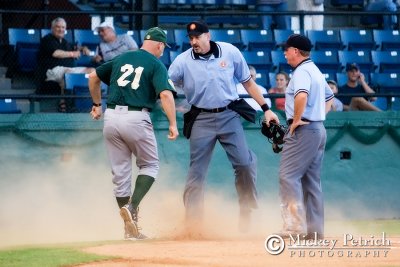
(213, 110)
(130, 108)
(290, 121)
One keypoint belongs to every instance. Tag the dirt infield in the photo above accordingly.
(248, 252)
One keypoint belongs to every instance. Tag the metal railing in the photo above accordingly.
(32, 98)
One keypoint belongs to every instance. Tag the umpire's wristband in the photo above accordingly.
(97, 105)
(264, 107)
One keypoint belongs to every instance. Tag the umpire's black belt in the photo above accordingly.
(290, 121)
(212, 110)
(130, 108)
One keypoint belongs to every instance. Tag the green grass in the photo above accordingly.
(47, 257)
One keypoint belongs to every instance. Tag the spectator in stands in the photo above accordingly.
(312, 22)
(56, 57)
(111, 44)
(251, 101)
(387, 21)
(274, 22)
(337, 105)
(356, 84)
(281, 82)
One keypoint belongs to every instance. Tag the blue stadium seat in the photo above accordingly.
(181, 39)
(341, 79)
(330, 76)
(386, 61)
(281, 36)
(255, 39)
(27, 57)
(228, 35)
(259, 59)
(85, 61)
(26, 36)
(327, 61)
(69, 34)
(182, 20)
(325, 40)
(77, 84)
(362, 58)
(8, 105)
(173, 55)
(388, 83)
(26, 46)
(165, 58)
(262, 79)
(135, 35)
(358, 39)
(272, 80)
(280, 62)
(85, 37)
(387, 40)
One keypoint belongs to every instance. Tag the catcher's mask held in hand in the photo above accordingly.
(274, 133)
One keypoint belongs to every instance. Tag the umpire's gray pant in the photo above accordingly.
(301, 196)
(227, 128)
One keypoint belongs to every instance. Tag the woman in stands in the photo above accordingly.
(282, 80)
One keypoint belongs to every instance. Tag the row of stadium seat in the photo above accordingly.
(244, 39)
(257, 46)
(327, 61)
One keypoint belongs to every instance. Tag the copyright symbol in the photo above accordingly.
(274, 244)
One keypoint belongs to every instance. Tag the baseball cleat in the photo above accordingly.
(131, 229)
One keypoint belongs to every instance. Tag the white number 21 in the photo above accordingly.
(127, 70)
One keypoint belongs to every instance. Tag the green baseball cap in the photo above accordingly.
(156, 34)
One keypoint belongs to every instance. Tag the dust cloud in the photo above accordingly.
(70, 199)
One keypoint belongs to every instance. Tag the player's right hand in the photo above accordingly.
(173, 133)
(96, 113)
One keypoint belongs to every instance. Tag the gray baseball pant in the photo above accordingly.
(226, 127)
(302, 204)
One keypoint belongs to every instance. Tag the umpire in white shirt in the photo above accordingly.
(308, 99)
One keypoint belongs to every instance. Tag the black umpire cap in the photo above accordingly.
(196, 28)
(298, 41)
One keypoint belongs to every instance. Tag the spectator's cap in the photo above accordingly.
(352, 66)
(298, 41)
(332, 82)
(196, 28)
(105, 24)
(156, 34)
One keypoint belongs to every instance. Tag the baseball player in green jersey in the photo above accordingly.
(136, 79)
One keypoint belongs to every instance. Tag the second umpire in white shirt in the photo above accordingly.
(308, 99)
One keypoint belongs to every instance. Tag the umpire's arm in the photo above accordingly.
(95, 92)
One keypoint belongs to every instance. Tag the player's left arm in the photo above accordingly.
(168, 105)
(95, 92)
